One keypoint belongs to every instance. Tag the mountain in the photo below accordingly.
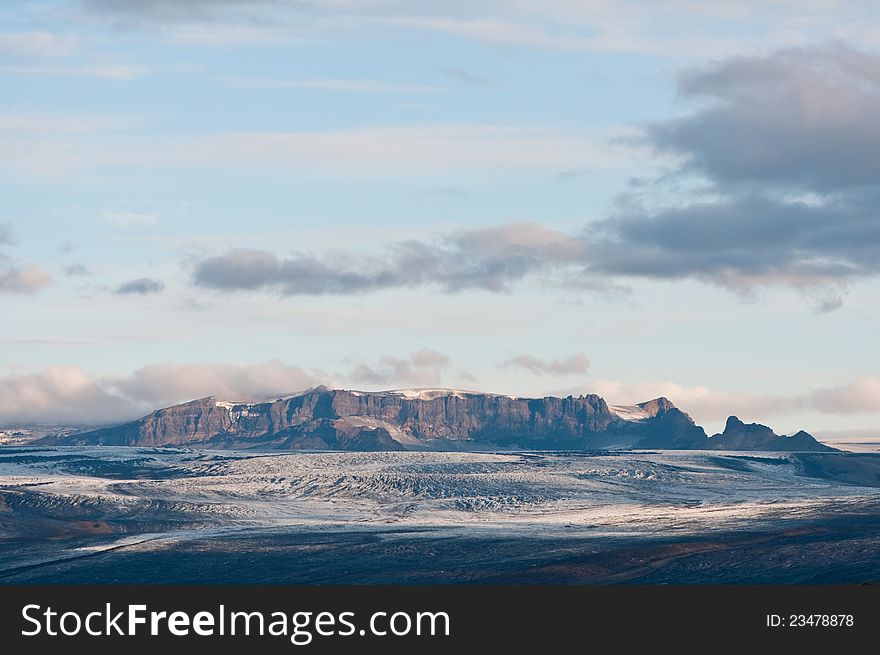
(422, 419)
(754, 436)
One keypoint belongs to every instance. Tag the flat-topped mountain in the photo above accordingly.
(424, 419)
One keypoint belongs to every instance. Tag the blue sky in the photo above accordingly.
(626, 198)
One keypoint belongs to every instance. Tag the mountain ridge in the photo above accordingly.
(431, 419)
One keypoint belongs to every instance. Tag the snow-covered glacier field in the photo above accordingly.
(138, 515)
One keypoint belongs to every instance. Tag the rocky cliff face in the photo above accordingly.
(438, 419)
(754, 436)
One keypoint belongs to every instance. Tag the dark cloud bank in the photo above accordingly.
(786, 150)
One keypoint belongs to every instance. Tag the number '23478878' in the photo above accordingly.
(810, 621)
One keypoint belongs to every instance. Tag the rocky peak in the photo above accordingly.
(754, 436)
(656, 406)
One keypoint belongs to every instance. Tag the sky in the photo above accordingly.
(634, 199)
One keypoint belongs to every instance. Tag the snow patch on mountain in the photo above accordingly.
(630, 412)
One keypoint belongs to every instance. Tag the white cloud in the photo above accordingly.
(576, 364)
(130, 219)
(55, 143)
(58, 123)
(422, 368)
(666, 27)
(59, 395)
(164, 384)
(406, 149)
(37, 45)
(708, 406)
(329, 84)
(860, 396)
(69, 395)
(703, 404)
(82, 144)
(107, 71)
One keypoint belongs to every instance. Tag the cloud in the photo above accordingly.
(68, 395)
(671, 29)
(789, 146)
(861, 396)
(330, 84)
(827, 302)
(26, 279)
(489, 259)
(60, 395)
(18, 278)
(164, 384)
(709, 406)
(37, 45)
(76, 270)
(800, 118)
(787, 151)
(446, 192)
(576, 364)
(744, 242)
(141, 286)
(703, 404)
(174, 11)
(423, 367)
(107, 71)
(461, 75)
(43, 144)
(406, 149)
(46, 144)
(130, 219)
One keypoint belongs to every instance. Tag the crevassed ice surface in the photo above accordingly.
(607, 493)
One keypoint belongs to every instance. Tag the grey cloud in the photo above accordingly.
(75, 270)
(741, 243)
(6, 234)
(744, 242)
(827, 299)
(577, 364)
(569, 175)
(490, 259)
(175, 10)
(421, 367)
(790, 145)
(141, 286)
(804, 118)
(461, 75)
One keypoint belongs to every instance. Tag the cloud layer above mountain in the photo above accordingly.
(69, 395)
(783, 156)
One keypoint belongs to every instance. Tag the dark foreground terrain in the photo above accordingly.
(838, 550)
(134, 516)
